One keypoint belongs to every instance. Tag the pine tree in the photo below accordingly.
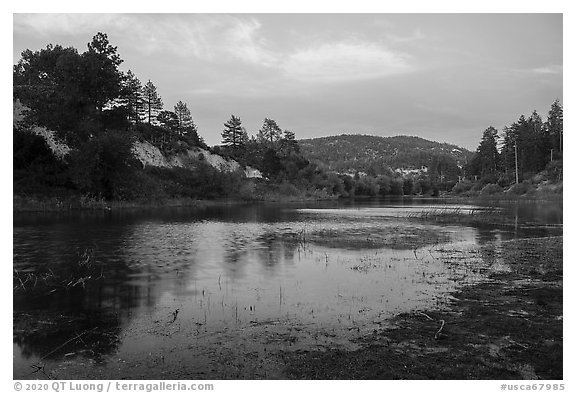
(152, 103)
(554, 125)
(130, 96)
(507, 152)
(288, 143)
(234, 135)
(525, 142)
(537, 148)
(102, 79)
(270, 132)
(168, 120)
(191, 134)
(184, 117)
(486, 161)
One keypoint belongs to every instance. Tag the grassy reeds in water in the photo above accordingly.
(84, 270)
(485, 215)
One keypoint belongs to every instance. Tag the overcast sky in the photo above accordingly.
(443, 77)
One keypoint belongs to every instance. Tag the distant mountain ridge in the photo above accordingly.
(375, 155)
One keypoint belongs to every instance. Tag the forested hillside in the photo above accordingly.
(380, 155)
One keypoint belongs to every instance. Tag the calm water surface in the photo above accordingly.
(256, 276)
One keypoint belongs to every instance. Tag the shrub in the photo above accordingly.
(490, 189)
(519, 189)
(462, 186)
(477, 186)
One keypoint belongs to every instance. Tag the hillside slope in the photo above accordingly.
(378, 155)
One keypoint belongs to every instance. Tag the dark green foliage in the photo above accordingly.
(367, 186)
(233, 134)
(384, 185)
(203, 181)
(66, 90)
(520, 188)
(49, 82)
(36, 170)
(554, 126)
(396, 187)
(151, 102)
(185, 125)
(462, 186)
(490, 189)
(270, 132)
(288, 143)
(183, 115)
(532, 144)
(486, 160)
(101, 77)
(130, 97)
(271, 164)
(408, 186)
(104, 165)
(168, 120)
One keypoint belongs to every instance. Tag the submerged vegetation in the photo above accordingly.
(491, 310)
(509, 327)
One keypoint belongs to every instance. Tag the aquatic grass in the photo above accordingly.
(396, 237)
(49, 281)
(482, 215)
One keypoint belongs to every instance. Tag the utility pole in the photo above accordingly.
(516, 158)
(551, 150)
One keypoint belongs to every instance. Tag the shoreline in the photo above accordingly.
(507, 326)
(34, 204)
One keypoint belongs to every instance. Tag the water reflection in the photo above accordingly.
(228, 267)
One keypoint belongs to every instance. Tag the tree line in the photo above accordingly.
(99, 111)
(522, 150)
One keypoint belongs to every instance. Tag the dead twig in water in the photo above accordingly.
(427, 316)
(19, 279)
(174, 315)
(39, 367)
(69, 341)
(437, 335)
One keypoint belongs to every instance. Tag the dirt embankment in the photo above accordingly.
(509, 327)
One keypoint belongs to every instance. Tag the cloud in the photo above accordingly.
(242, 41)
(49, 24)
(203, 36)
(551, 69)
(416, 36)
(223, 40)
(344, 61)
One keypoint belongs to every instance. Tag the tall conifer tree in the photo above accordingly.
(152, 102)
(233, 134)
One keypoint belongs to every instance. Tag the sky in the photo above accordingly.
(443, 77)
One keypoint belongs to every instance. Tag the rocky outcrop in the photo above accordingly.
(58, 147)
(150, 155)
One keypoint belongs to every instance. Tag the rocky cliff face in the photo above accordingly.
(150, 155)
(59, 149)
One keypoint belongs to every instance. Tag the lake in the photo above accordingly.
(158, 293)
